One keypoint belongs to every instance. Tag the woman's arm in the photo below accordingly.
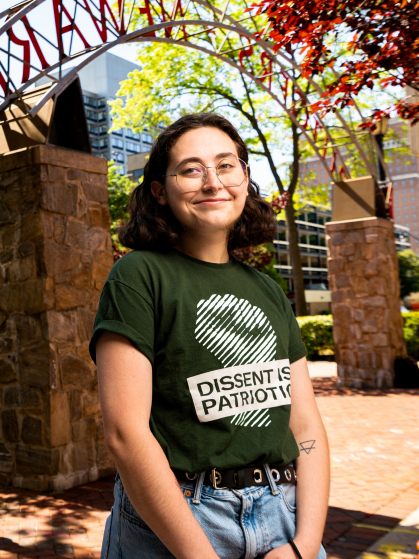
(125, 388)
(313, 468)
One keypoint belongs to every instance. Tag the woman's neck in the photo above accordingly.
(207, 248)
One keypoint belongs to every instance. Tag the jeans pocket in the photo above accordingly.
(130, 515)
(106, 537)
(135, 519)
(288, 496)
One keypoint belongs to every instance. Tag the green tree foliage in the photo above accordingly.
(411, 333)
(408, 272)
(119, 190)
(317, 335)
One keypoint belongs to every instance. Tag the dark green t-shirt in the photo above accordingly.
(220, 339)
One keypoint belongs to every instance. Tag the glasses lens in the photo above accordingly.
(232, 171)
(191, 177)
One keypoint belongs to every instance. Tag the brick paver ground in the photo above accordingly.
(374, 440)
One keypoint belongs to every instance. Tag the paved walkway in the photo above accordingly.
(374, 440)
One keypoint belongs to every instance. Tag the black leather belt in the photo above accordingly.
(240, 478)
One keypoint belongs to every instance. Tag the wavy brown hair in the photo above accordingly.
(153, 227)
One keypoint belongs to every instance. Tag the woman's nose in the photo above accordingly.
(212, 180)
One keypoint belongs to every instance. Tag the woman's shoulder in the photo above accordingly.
(137, 264)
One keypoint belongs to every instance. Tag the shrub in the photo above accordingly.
(411, 333)
(317, 335)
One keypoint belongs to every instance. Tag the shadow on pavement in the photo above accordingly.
(349, 532)
(327, 387)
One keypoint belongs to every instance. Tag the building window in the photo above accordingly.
(322, 241)
(101, 116)
(303, 239)
(91, 115)
(136, 148)
(137, 174)
(282, 235)
(313, 240)
(406, 217)
(404, 190)
(146, 138)
(311, 217)
(130, 134)
(283, 259)
(93, 129)
(99, 144)
(144, 149)
(118, 156)
(405, 208)
(414, 216)
(90, 101)
(117, 143)
(404, 199)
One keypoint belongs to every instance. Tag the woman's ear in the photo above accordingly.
(159, 193)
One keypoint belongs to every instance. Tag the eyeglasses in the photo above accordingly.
(230, 171)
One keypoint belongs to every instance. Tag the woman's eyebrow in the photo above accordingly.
(199, 160)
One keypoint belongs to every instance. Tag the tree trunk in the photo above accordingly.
(297, 270)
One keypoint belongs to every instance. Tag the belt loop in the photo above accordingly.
(271, 480)
(198, 488)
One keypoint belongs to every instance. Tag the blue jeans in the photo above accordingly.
(240, 524)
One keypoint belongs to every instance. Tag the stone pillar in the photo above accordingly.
(364, 281)
(55, 255)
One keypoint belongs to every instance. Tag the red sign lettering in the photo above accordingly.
(26, 44)
(147, 11)
(69, 27)
(3, 84)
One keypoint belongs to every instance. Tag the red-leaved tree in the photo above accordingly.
(382, 37)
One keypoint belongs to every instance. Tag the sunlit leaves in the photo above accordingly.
(382, 35)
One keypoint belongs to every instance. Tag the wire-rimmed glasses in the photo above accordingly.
(192, 176)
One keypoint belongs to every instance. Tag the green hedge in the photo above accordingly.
(317, 334)
(411, 333)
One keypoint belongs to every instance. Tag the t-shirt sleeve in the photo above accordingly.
(124, 311)
(296, 347)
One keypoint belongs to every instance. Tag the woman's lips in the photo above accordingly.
(213, 201)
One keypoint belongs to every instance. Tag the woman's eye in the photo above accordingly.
(191, 171)
(225, 166)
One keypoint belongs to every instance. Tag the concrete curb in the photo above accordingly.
(399, 543)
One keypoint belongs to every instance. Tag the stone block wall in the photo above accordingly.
(364, 281)
(55, 255)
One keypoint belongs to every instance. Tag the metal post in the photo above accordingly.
(61, 39)
(381, 171)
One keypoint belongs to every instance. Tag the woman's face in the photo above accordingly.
(215, 207)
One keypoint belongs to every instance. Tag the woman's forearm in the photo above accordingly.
(312, 496)
(155, 494)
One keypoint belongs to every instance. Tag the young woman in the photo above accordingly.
(197, 354)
